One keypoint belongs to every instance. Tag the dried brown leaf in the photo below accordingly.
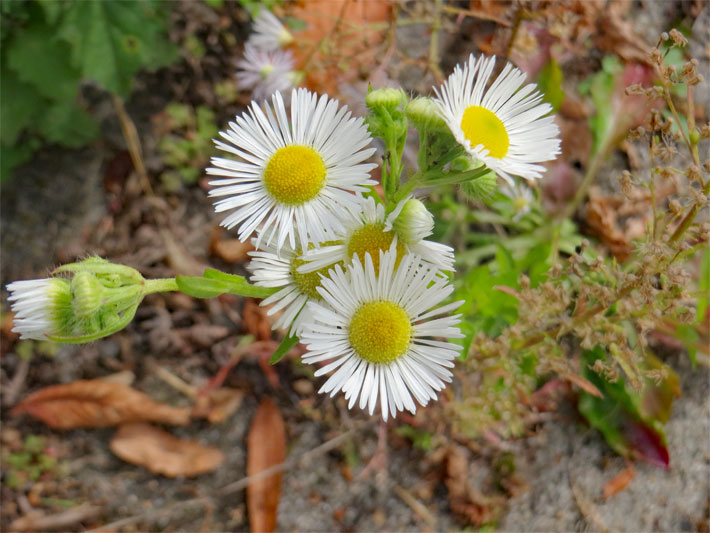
(97, 403)
(619, 481)
(229, 250)
(218, 404)
(266, 447)
(162, 453)
(255, 320)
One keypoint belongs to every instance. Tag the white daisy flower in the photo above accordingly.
(375, 330)
(371, 232)
(271, 269)
(41, 306)
(295, 180)
(522, 198)
(265, 72)
(504, 126)
(268, 32)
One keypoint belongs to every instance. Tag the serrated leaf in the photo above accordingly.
(289, 342)
(68, 125)
(198, 287)
(112, 41)
(41, 60)
(21, 106)
(15, 155)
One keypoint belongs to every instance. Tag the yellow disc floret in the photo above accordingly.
(481, 126)
(373, 238)
(380, 331)
(294, 174)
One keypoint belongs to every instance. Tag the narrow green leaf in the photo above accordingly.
(550, 82)
(198, 287)
(286, 344)
(703, 301)
(239, 285)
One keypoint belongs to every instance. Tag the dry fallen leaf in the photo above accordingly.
(341, 39)
(619, 481)
(161, 453)
(97, 403)
(217, 405)
(255, 320)
(266, 447)
(229, 250)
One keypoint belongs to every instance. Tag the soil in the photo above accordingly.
(67, 204)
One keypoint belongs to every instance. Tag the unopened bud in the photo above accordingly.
(423, 113)
(87, 293)
(414, 222)
(386, 98)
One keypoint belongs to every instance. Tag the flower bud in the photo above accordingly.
(386, 98)
(100, 299)
(423, 113)
(414, 223)
(42, 307)
(87, 293)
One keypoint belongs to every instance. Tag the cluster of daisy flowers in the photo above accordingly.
(267, 65)
(359, 283)
(354, 276)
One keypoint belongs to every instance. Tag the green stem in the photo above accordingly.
(160, 285)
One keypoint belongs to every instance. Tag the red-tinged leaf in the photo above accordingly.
(97, 403)
(619, 482)
(266, 447)
(584, 384)
(162, 453)
(645, 443)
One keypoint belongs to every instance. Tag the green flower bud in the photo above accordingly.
(87, 293)
(42, 307)
(414, 223)
(386, 98)
(424, 114)
(695, 136)
(481, 188)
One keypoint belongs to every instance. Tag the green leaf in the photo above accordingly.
(630, 423)
(69, 125)
(201, 287)
(41, 60)
(286, 344)
(239, 285)
(550, 82)
(21, 106)
(111, 41)
(15, 155)
(704, 286)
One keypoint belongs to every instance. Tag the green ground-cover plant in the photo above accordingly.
(588, 319)
(50, 47)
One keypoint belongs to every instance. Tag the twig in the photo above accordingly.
(60, 521)
(130, 134)
(476, 14)
(418, 507)
(18, 381)
(434, 42)
(233, 487)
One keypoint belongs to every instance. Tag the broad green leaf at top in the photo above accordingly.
(111, 41)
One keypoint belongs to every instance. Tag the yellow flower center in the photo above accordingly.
(481, 126)
(309, 282)
(294, 174)
(380, 332)
(520, 202)
(372, 238)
